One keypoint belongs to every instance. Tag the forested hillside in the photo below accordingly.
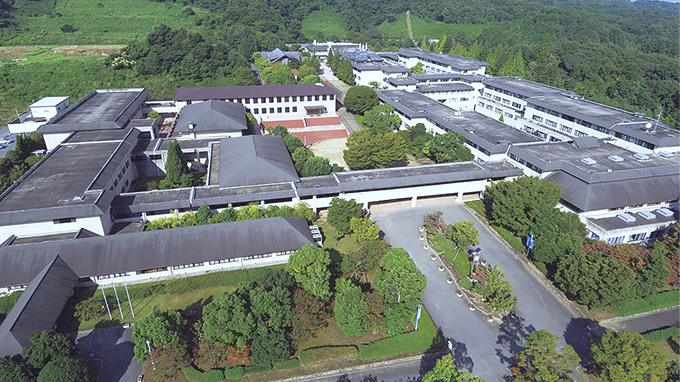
(619, 53)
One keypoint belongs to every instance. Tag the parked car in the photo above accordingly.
(6, 141)
(140, 378)
(2, 147)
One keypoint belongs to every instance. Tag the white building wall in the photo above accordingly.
(24, 128)
(93, 224)
(365, 77)
(49, 111)
(53, 140)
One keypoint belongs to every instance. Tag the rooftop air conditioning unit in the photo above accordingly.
(615, 158)
(626, 218)
(641, 156)
(588, 161)
(664, 212)
(647, 215)
(79, 198)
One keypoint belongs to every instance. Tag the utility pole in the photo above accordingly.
(107, 305)
(128, 296)
(119, 307)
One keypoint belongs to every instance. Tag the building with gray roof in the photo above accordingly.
(39, 307)
(440, 63)
(211, 119)
(277, 55)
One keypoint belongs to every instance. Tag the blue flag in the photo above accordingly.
(530, 242)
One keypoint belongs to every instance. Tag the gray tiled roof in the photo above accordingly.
(39, 306)
(456, 62)
(211, 116)
(255, 160)
(154, 249)
(234, 92)
(278, 54)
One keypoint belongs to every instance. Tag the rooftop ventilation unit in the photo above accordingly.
(79, 198)
(664, 212)
(641, 156)
(666, 154)
(626, 218)
(588, 161)
(615, 158)
(647, 215)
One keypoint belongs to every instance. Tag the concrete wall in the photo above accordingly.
(93, 224)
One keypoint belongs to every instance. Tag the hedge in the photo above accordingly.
(327, 353)
(478, 206)
(510, 238)
(212, 375)
(649, 303)
(7, 302)
(288, 364)
(426, 337)
(237, 372)
(662, 334)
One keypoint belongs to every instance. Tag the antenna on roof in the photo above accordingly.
(648, 125)
(658, 117)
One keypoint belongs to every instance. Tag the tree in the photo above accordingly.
(68, 28)
(626, 356)
(161, 329)
(521, 205)
(418, 68)
(402, 285)
(449, 147)
(11, 371)
(309, 315)
(382, 119)
(496, 289)
(360, 99)
(360, 150)
(300, 156)
(542, 361)
(153, 114)
(64, 369)
(551, 246)
(316, 166)
(350, 308)
(312, 79)
(203, 214)
(389, 148)
(309, 266)
(292, 143)
(417, 140)
(166, 362)
(364, 230)
(273, 311)
(47, 346)
(279, 130)
(280, 75)
(463, 233)
(91, 308)
(175, 165)
(228, 319)
(596, 280)
(514, 66)
(341, 212)
(305, 71)
(445, 370)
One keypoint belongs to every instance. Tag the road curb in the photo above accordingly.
(608, 320)
(359, 367)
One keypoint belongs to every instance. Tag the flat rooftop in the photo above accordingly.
(446, 87)
(233, 92)
(49, 102)
(456, 62)
(614, 223)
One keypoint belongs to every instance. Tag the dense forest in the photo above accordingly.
(616, 52)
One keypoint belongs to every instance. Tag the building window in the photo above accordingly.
(263, 100)
(580, 133)
(499, 111)
(294, 98)
(255, 100)
(271, 110)
(537, 118)
(324, 97)
(247, 101)
(638, 236)
(481, 104)
(257, 256)
(264, 110)
(286, 99)
(316, 98)
(516, 105)
(490, 107)
(566, 129)
(64, 220)
(278, 99)
(550, 123)
(190, 265)
(505, 101)
(309, 98)
(331, 97)
(615, 240)
(278, 110)
(271, 99)
(287, 110)
(255, 111)
(112, 275)
(294, 109)
(213, 262)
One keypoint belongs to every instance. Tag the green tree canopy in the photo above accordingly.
(311, 79)
(280, 75)
(542, 361)
(64, 369)
(351, 308)
(309, 266)
(228, 319)
(341, 212)
(628, 357)
(366, 149)
(11, 371)
(399, 280)
(360, 99)
(153, 114)
(364, 230)
(449, 147)
(550, 246)
(417, 68)
(160, 328)
(316, 166)
(514, 66)
(175, 165)
(47, 346)
(596, 280)
(292, 143)
(382, 118)
(463, 233)
(445, 370)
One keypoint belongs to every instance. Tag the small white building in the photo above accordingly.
(40, 112)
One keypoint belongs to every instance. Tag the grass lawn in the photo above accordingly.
(329, 23)
(670, 348)
(426, 337)
(461, 262)
(430, 29)
(647, 304)
(143, 182)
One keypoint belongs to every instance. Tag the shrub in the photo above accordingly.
(510, 238)
(237, 372)
(662, 334)
(647, 304)
(328, 353)
(289, 364)
(193, 375)
(213, 375)
(7, 302)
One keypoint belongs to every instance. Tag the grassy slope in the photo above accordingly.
(328, 22)
(431, 29)
(115, 22)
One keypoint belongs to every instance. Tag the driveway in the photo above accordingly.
(113, 346)
(647, 322)
(486, 349)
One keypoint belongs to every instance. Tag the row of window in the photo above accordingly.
(112, 275)
(273, 110)
(502, 91)
(527, 164)
(281, 99)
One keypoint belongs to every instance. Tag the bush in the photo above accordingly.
(213, 375)
(237, 372)
(478, 206)
(327, 353)
(647, 304)
(662, 334)
(193, 375)
(289, 364)
(510, 238)
(7, 302)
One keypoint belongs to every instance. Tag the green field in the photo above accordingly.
(329, 23)
(431, 29)
(99, 22)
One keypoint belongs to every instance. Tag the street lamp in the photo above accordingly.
(148, 345)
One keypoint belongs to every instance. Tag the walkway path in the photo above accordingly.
(486, 349)
(348, 120)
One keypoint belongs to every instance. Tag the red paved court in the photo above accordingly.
(291, 124)
(318, 136)
(323, 121)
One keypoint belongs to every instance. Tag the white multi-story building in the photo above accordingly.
(441, 63)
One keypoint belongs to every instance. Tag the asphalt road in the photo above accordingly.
(403, 372)
(486, 349)
(113, 346)
(648, 322)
